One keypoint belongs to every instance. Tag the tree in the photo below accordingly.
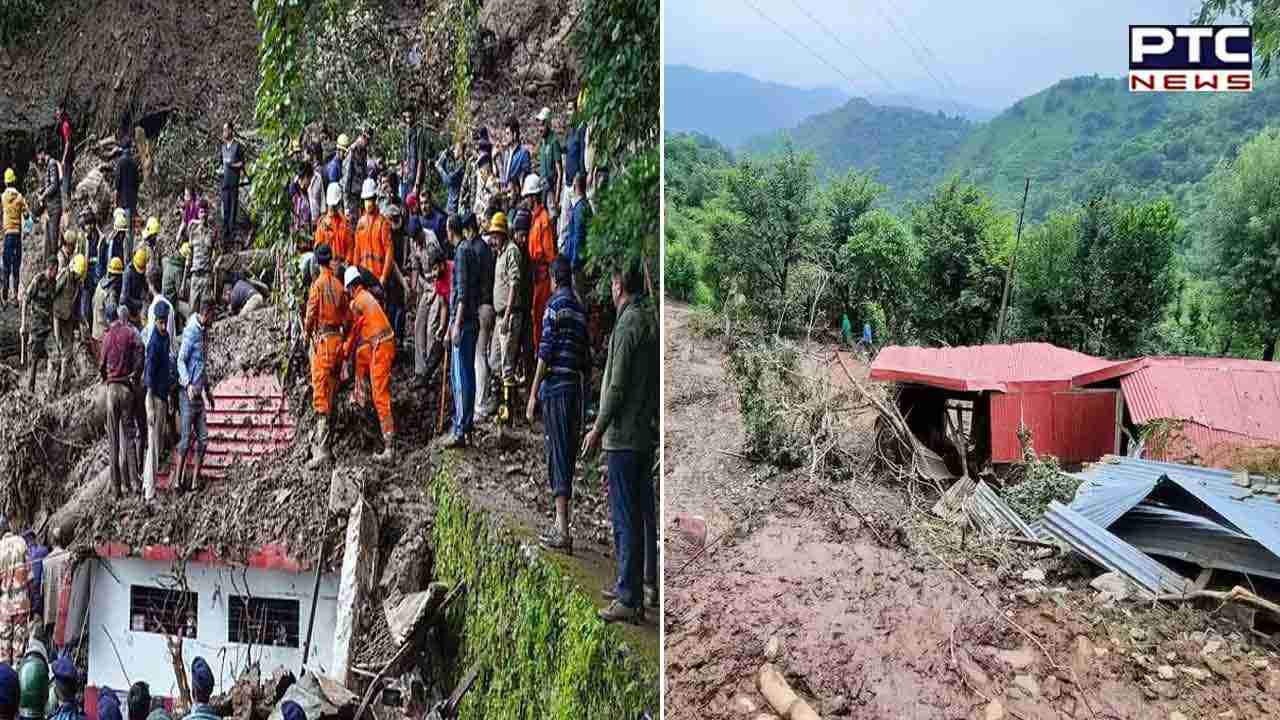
(1047, 285)
(771, 225)
(1263, 15)
(1245, 224)
(879, 265)
(844, 202)
(964, 240)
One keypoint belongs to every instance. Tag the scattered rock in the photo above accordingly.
(972, 671)
(1137, 635)
(773, 649)
(1175, 715)
(1260, 665)
(1052, 687)
(1028, 684)
(1167, 672)
(1165, 690)
(994, 711)
(744, 704)
(1211, 647)
(837, 705)
(1196, 673)
(1219, 668)
(1228, 715)
(1019, 659)
(1044, 553)
(1030, 597)
(1034, 574)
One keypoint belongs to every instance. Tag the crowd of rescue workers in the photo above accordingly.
(485, 285)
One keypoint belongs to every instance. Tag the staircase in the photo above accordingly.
(252, 419)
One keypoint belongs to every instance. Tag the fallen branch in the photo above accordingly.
(784, 700)
(1236, 594)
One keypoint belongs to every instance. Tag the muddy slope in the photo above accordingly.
(881, 612)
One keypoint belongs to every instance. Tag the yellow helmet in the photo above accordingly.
(10, 177)
(120, 220)
(115, 267)
(153, 227)
(499, 223)
(344, 142)
(185, 250)
(79, 265)
(140, 258)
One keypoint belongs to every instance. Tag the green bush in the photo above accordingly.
(1042, 482)
(762, 374)
(681, 272)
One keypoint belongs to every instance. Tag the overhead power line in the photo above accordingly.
(844, 45)
(915, 53)
(802, 43)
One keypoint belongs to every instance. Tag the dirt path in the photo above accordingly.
(881, 615)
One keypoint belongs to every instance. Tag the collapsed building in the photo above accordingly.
(995, 399)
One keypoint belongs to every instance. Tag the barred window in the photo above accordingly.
(162, 611)
(263, 621)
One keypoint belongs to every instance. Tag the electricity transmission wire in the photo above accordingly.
(915, 53)
(802, 44)
(844, 45)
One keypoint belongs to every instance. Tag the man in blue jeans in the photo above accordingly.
(464, 328)
(193, 392)
(627, 428)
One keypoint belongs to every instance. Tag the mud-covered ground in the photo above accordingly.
(880, 612)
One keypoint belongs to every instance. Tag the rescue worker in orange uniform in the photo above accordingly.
(374, 344)
(542, 250)
(374, 250)
(333, 230)
(328, 316)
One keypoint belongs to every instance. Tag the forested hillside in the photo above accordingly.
(903, 148)
(1082, 136)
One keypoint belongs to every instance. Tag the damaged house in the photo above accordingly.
(1215, 412)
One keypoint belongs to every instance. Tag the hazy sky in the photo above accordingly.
(983, 52)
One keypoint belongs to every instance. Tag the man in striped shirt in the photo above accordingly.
(564, 364)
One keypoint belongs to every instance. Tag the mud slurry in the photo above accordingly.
(530, 624)
(882, 613)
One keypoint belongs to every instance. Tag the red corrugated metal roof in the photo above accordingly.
(1004, 368)
(1225, 403)
(252, 420)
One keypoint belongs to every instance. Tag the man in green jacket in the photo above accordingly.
(627, 429)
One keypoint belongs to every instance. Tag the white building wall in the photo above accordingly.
(145, 656)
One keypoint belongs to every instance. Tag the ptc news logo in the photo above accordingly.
(1190, 58)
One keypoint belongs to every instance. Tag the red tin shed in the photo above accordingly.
(1015, 385)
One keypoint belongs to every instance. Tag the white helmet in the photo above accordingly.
(334, 194)
(369, 189)
(352, 275)
(532, 185)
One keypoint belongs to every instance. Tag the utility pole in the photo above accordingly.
(1013, 260)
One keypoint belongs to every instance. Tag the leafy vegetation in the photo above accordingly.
(1042, 482)
(1246, 221)
(541, 648)
(283, 30)
(620, 48)
(18, 18)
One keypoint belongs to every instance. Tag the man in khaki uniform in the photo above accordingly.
(66, 300)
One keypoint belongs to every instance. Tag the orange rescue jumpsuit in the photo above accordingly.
(542, 250)
(374, 343)
(327, 317)
(374, 251)
(334, 230)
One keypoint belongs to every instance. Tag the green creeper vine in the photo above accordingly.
(464, 32)
(282, 25)
(542, 650)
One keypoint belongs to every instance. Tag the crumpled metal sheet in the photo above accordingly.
(991, 514)
(1191, 538)
(1107, 550)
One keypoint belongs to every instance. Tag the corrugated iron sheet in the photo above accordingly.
(1191, 538)
(1225, 403)
(1107, 550)
(992, 514)
(1072, 426)
(251, 420)
(1027, 366)
(1193, 513)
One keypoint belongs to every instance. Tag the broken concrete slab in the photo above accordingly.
(359, 562)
